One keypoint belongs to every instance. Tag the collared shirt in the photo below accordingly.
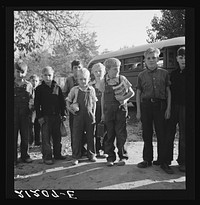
(73, 94)
(115, 81)
(152, 84)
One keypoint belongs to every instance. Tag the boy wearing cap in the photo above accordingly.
(177, 111)
(22, 105)
(50, 107)
(114, 110)
(153, 98)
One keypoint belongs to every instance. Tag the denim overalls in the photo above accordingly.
(21, 119)
(98, 146)
(115, 120)
(84, 121)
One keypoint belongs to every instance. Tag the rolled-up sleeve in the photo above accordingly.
(71, 95)
(95, 99)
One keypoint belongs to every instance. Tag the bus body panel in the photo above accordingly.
(132, 59)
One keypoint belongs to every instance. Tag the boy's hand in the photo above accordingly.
(167, 114)
(71, 110)
(41, 121)
(119, 98)
(102, 117)
(31, 104)
(138, 115)
(63, 118)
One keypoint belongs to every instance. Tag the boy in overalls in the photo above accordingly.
(98, 70)
(72, 81)
(114, 110)
(84, 117)
(22, 100)
(34, 124)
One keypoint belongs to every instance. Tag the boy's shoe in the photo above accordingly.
(144, 164)
(110, 163)
(167, 168)
(37, 144)
(157, 162)
(101, 154)
(121, 162)
(60, 157)
(75, 162)
(27, 160)
(182, 168)
(48, 162)
(93, 159)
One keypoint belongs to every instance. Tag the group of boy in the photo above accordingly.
(160, 102)
(104, 99)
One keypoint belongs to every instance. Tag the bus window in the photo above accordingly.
(171, 58)
(161, 60)
(130, 64)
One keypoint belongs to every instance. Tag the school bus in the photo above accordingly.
(132, 59)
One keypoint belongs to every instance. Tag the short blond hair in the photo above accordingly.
(21, 66)
(47, 68)
(83, 71)
(112, 62)
(98, 65)
(152, 50)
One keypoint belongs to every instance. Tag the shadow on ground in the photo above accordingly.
(94, 175)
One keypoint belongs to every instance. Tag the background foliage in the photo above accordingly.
(170, 25)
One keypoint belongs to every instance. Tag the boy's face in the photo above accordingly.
(83, 79)
(98, 73)
(76, 68)
(113, 72)
(19, 74)
(181, 61)
(47, 76)
(35, 82)
(151, 60)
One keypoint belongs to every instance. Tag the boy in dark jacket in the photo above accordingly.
(50, 110)
(177, 111)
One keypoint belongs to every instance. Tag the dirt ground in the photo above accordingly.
(62, 175)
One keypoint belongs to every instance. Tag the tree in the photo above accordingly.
(84, 49)
(170, 25)
(53, 38)
(36, 61)
(32, 29)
